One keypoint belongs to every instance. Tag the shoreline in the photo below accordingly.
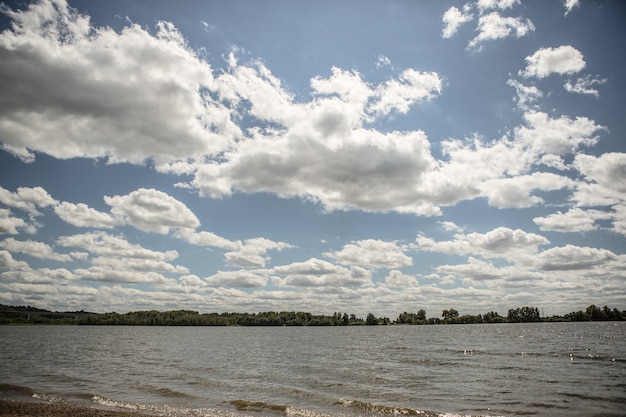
(18, 408)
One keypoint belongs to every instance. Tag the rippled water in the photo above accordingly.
(544, 369)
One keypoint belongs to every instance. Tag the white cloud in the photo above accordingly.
(138, 265)
(607, 170)
(449, 226)
(397, 279)
(104, 244)
(120, 276)
(318, 273)
(526, 95)
(81, 215)
(151, 210)
(542, 134)
(253, 252)
(496, 4)
(46, 276)
(584, 85)
(27, 199)
(494, 26)
(516, 192)
(474, 268)
(400, 94)
(574, 220)
(36, 249)
(332, 172)
(570, 4)
(572, 257)
(372, 253)
(603, 186)
(383, 61)
(10, 224)
(202, 238)
(562, 60)
(239, 279)
(453, 18)
(513, 245)
(8, 262)
(63, 94)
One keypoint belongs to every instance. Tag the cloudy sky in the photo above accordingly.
(357, 156)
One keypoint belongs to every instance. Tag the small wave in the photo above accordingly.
(167, 392)
(384, 409)
(16, 389)
(243, 405)
(371, 408)
(49, 398)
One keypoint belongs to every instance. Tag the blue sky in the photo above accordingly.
(320, 156)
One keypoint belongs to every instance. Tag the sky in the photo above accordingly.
(351, 156)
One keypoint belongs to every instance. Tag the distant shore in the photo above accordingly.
(33, 409)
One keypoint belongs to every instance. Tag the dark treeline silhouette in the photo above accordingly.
(32, 315)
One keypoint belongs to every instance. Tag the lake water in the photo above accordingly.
(541, 369)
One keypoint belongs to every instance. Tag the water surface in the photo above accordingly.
(542, 369)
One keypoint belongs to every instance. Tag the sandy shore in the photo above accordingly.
(23, 409)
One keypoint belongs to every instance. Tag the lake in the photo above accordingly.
(540, 369)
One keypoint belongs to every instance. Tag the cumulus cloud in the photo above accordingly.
(569, 5)
(81, 215)
(585, 85)
(253, 252)
(372, 253)
(493, 26)
(527, 95)
(28, 199)
(62, 93)
(516, 192)
(474, 268)
(120, 276)
(546, 61)
(603, 186)
(542, 134)
(397, 279)
(572, 257)
(607, 170)
(203, 238)
(453, 18)
(152, 210)
(238, 279)
(501, 242)
(8, 262)
(401, 93)
(574, 220)
(318, 273)
(104, 244)
(496, 4)
(138, 265)
(9, 224)
(36, 249)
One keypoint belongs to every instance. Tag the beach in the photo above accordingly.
(33, 409)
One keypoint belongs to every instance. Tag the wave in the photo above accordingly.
(371, 408)
(16, 389)
(243, 405)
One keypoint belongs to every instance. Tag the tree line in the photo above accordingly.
(32, 315)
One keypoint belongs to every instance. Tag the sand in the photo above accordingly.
(32, 409)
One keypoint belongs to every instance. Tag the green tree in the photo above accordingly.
(371, 319)
(450, 316)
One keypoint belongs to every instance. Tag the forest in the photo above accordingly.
(32, 315)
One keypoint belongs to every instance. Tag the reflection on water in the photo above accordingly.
(497, 369)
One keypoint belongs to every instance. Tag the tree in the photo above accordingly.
(450, 316)
(371, 319)
(523, 315)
